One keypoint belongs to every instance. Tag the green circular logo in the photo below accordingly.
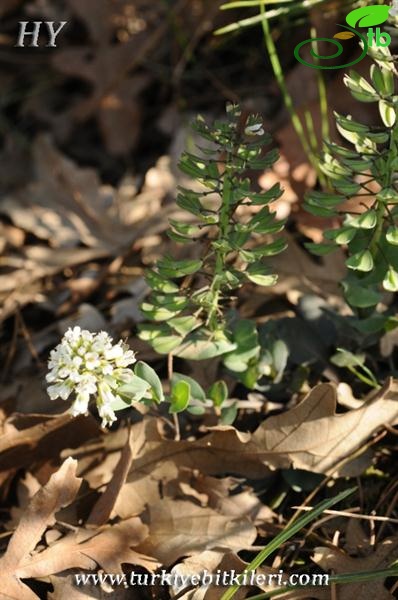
(319, 57)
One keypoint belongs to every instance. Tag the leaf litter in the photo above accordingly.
(78, 499)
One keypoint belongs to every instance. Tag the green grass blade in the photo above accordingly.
(286, 534)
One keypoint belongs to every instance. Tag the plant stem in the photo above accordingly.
(278, 73)
(220, 252)
(177, 432)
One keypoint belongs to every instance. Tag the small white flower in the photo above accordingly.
(255, 129)
(89, 364)
(60, 390)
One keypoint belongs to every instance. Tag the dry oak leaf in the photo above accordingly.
(340, 562)
(107, 547)
(25, 437)
(60, 490)
(313, 437)
(67, 204)
(178, 528)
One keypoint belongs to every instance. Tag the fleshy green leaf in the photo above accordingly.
(196, 390)
(390, 281)
(218, 392)
(180, 396)
(135, 389)
(344, 235)
(368, 220)
(392, 236)
(260, 275)
(148, 374)
(361, 297)
(387, 112)
(360, 261)
(320, 249)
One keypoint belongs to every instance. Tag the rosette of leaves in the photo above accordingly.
(371, 235)
(191, 298)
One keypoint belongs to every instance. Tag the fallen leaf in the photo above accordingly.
(313, 437)
(60, 491)
(104, 506)
(87, 549)
(178, 528)
(340, 562)
(25, 437)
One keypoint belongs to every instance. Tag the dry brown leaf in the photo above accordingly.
(86, 549)
(60, 491)
(178, 528)
(109, 67)
(312, 437)
(104, 506)
(33, 437)
(67, 204)
(65, 588)
(340, 562)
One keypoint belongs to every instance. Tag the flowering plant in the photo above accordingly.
(87, 364)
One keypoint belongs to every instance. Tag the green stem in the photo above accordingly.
(278, 73)
(215, 287)
(387, 182)
(372, 383)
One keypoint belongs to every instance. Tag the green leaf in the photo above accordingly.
(387, 196)
(320, 249)
(120, 404)
(189, 201)
(344, 358)
(348, 188)
(169, 267)
(319, 211)
(382, 79)
(180, 396)
(390, 281)
(184, 228)
(341, 236)
(264, 197)
(360, 296)
(368, 220)
(229, 414)
(184, 325)
(180, 239)
(196, 390)
(169, 301)
(392, 236)
(158, 313)
(247, 348)
(387, 113)
(218, 392)
(260, 275)
(159, 284)
(166, 343)
(360, 261)
(360, 88)
(323, 199)
(135, 389)
(149, 375)
(198, 346)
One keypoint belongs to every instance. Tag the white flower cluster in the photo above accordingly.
(87, 364)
